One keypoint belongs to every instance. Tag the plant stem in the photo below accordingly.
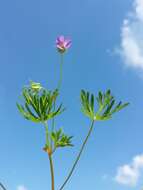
(52, 172)
(47, 133)
(59, 84)
(1, 185)
(78, 156)
(61, 72)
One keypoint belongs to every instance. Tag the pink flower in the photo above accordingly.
(63, 44)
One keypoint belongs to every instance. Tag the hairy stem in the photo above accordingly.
(52, 173)
(78, 156)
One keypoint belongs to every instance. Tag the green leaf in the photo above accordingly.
(39, 103)
(105, 103)
(60, 139)
(92, 102)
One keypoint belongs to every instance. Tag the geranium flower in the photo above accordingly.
(63, 44)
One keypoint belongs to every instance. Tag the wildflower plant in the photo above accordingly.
(40, 105)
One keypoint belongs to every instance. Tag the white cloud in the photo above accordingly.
(139, 9)
(129, 174)
(21, 187)
(131, 47)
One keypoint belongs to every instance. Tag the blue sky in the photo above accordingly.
(106, 53)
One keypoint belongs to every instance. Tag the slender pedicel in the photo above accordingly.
(62, 45)
(61, 71)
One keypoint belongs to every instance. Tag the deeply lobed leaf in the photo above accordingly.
(60, 139)
(39, 103)
(106, 105)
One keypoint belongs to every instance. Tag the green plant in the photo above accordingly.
(40, 105)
